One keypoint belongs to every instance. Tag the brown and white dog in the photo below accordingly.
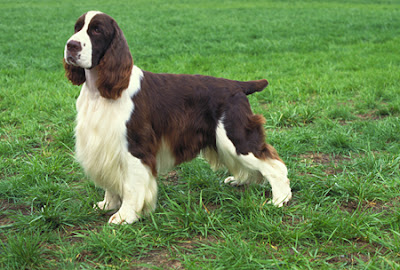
(133, 125)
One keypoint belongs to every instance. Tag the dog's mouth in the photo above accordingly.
(71, 60)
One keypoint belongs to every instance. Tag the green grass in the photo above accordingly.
(332, 111)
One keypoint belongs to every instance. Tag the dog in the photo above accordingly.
(133, 125)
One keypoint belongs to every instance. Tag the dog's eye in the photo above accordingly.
(96, 30)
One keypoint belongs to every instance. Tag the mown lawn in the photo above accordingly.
(332, 111)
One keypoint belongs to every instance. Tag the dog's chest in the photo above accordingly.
(101, 144)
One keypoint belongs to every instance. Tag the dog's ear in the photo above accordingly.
(75, 74)
(115, 67)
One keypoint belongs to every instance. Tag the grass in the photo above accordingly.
(332, 111)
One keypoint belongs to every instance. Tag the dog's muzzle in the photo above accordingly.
(72, 52)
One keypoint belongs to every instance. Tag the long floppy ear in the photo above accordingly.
(75, 74)
(114, 69)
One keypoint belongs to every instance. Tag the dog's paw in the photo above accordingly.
(123, 217)
(100, 205)
(280, 200)
(232, 181)
(104, 205)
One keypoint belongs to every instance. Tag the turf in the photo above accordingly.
(332, 111)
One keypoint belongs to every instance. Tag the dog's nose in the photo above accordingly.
(74, 46)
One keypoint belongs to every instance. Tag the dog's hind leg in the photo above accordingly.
(247, 168)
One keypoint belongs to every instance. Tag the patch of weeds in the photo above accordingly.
(23, 251)
(113, 244)
(387, 110)
(377, 164)
(341, 113)
(292, 117)
(341, 140)
(231, 251)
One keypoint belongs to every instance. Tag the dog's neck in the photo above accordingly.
(91, 80)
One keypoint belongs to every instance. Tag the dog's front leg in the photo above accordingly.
(111, 201)
(131, 207)
(139, 194)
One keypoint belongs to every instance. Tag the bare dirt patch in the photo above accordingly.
(354, 258)
(332, 163)
(368, 116)
(350, 259)
(6, 207)
(374, 206)
(166, 259)
(324, 158)
(372, 115)
(159, 258)
(210, 207)
(170, 179)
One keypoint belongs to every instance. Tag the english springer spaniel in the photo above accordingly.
(133, 125)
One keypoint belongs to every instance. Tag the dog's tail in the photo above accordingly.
(250, 87)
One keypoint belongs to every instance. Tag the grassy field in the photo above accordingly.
(332, 111)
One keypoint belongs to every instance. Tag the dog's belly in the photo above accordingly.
(101, 144)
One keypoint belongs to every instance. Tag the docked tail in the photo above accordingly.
(250, 87)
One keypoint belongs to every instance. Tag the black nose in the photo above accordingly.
(74, 46)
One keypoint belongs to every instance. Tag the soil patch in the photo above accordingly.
(164, 259)
(170, 179)
(374, 206)
(6, 206)
(332, 163)
(370, 116)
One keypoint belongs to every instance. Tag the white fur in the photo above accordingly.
(84, 57)
(102, 149)
(249, 169)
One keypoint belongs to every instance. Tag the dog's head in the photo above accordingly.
(98, 43)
